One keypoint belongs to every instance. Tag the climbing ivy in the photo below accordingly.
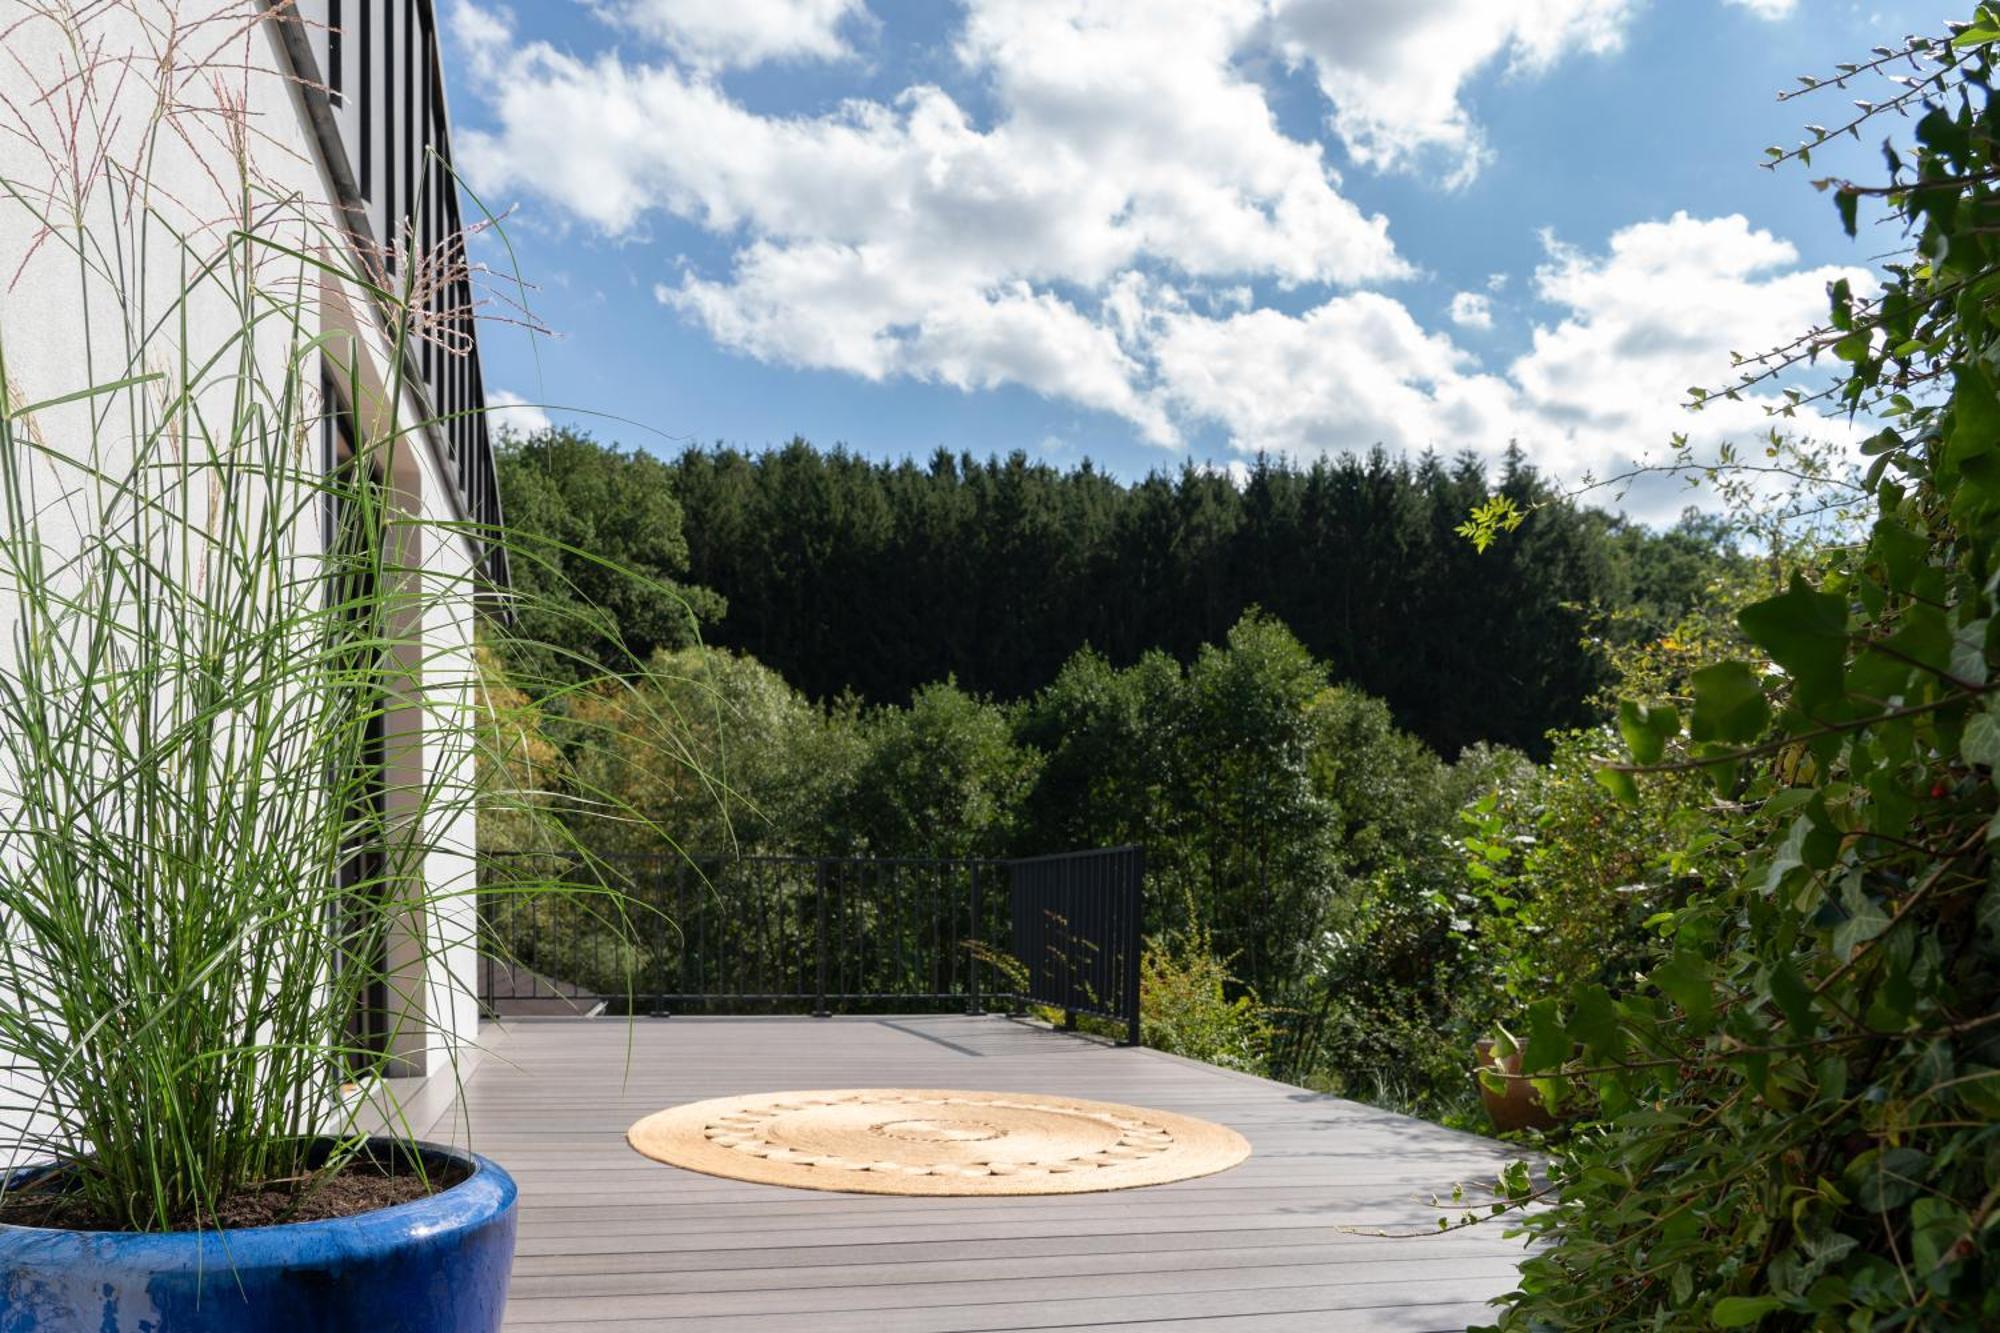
(1795, 1120)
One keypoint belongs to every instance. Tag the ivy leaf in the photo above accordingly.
(1980, 743)
(1786, 801)
(1901, 551)
(1729, 704)
(1968, 651)
(1828, 1248)
(1846, 201)
(1975, 415)
(1620, 784)
(1548, 1043)
(1595, 1026)
(1647, 730)
(1790, 854)
(1685, 980)
(1882, 442)
(1743, 1311)
(1805, 632)
(1789, 993)
(1865, 920)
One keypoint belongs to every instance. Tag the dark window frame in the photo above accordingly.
(365, 860)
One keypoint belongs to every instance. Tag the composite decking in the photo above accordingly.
(610, 1240)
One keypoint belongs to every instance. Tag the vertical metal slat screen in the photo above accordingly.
(1077, 921)
(373, 68)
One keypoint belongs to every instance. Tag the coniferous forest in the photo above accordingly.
(851, 575)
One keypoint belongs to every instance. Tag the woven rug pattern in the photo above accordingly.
(936, 1141)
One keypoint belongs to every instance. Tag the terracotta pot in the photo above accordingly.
(1520, 1106)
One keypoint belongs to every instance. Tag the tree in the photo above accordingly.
(1262, 793)
(943, 777)
(597, 554)
(715, 754)
(1262, 832)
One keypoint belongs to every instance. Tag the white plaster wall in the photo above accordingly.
(59, 334)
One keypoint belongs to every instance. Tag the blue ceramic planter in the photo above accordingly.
(437, 1265)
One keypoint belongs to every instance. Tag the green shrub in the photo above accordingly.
(1398, 1048)
(1797, 1113)
(1563, 877)
(1189, 1004)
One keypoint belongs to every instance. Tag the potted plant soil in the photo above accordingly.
(237, 690)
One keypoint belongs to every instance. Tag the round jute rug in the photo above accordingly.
(936, 1141)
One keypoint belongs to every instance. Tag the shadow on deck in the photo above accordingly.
(612, 1241)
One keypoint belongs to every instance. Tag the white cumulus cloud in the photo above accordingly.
(510, 413)
(906, 238)
(1472, 310)
(1767, 9)
(1604, 382)
(715, 34)
(1394, 70)
(1354, 371)
(1661, 310)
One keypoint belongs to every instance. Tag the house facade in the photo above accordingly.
(168, 122)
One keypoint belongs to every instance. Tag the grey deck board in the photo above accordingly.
(612, 1241)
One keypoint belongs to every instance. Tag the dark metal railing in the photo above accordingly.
(676, 934)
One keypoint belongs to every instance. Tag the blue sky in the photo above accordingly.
(1146, 233)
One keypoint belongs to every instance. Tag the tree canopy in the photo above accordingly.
(846, 573)
(598, 552)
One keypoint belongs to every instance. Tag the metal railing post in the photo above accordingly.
(665, 928)
(819, 939)
(1135, 906)
(973, 1004)
(484, 940)
(1069, 895)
